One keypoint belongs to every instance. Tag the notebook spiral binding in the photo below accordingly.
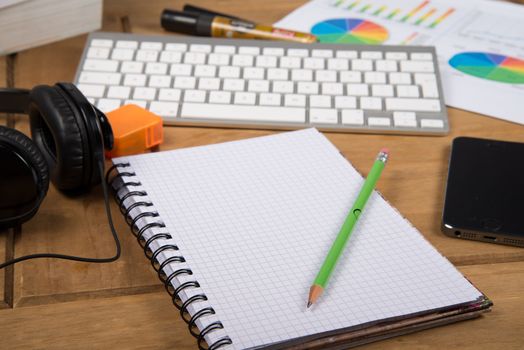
(147, 211)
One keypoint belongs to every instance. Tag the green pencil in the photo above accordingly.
(320, 282)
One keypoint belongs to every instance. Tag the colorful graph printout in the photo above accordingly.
(490, 66)
(349, 31)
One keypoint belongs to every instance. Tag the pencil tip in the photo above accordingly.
(309, 304)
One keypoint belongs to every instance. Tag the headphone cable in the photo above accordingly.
(78, 258)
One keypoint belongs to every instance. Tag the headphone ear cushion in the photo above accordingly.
(59, 134)
(31, 154)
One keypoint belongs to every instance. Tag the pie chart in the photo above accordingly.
(490, 66)
(349, 31)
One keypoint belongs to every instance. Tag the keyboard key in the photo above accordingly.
(345, 102)
(146, 56)
(242, 60)
(102, 42)
(200, 48)
(321, 53)
(209, 83)
(430, 90)
(98, 52)
(194, 96)
(151, 45)
(92, 90)
(405, 119)
(421, 56)
(283, 87)
(100, 65)
(245, 98)
(270, 99)
(144, 93)
(371, 103)
(424, 78)
(332, 89)
(320, 101)
(396, 56)
(309, 88)
(180, 69)
(277, 74)
(163, 81)
(156, 68)
(249, 50)
(362, 65)
(107, 104)
(164, 109)
(294, 100)
(290, 62)
(234, 84)
(134, 80)
(100, 78)
(301, 75)
(412, 104)
(417, 66)
(229, 72)
(346, 54)
(131, 67)
(218, 59)
(205, 71)
(176, 47)
(350, 77)
(254, 73)
(121, 92)
(352, 117)
(338, 64)
(379, 121)
(228, 49)
(326, 76)
(219, 97)
(357, 89)
(273, 51)
(399, 78)
(407, 91)
(194, 58)
(258, 85)
(266, 61)
(371, 55)
(185, 82)
(247, 113)
(375, 77)
(171, 57)
(298, 52)
(382, 90)
(386, 66)
(314, 63)
(432, 123)
(127, 44)
(323, 116)
(169, 95)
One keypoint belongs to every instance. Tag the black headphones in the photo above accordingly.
(69, 136)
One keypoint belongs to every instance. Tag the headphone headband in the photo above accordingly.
(14, 100)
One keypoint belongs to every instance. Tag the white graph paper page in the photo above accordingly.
(255, 219)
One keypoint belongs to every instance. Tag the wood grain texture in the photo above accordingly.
(151, 322)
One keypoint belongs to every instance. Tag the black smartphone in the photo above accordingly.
(485, 191)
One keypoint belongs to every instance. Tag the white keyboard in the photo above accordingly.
(267, 84)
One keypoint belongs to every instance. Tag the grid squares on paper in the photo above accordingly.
(254, 220)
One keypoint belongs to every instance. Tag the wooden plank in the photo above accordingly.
(151, 322)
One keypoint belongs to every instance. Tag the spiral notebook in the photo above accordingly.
(238, 230)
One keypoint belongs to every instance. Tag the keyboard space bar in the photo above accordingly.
(243, 113)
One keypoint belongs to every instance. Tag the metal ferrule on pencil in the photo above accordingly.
(383, 157)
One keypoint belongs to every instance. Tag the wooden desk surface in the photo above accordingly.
(59, 304)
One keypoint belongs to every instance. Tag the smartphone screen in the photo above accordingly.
(485, 190)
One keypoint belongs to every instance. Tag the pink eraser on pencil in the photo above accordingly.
(385, 150)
